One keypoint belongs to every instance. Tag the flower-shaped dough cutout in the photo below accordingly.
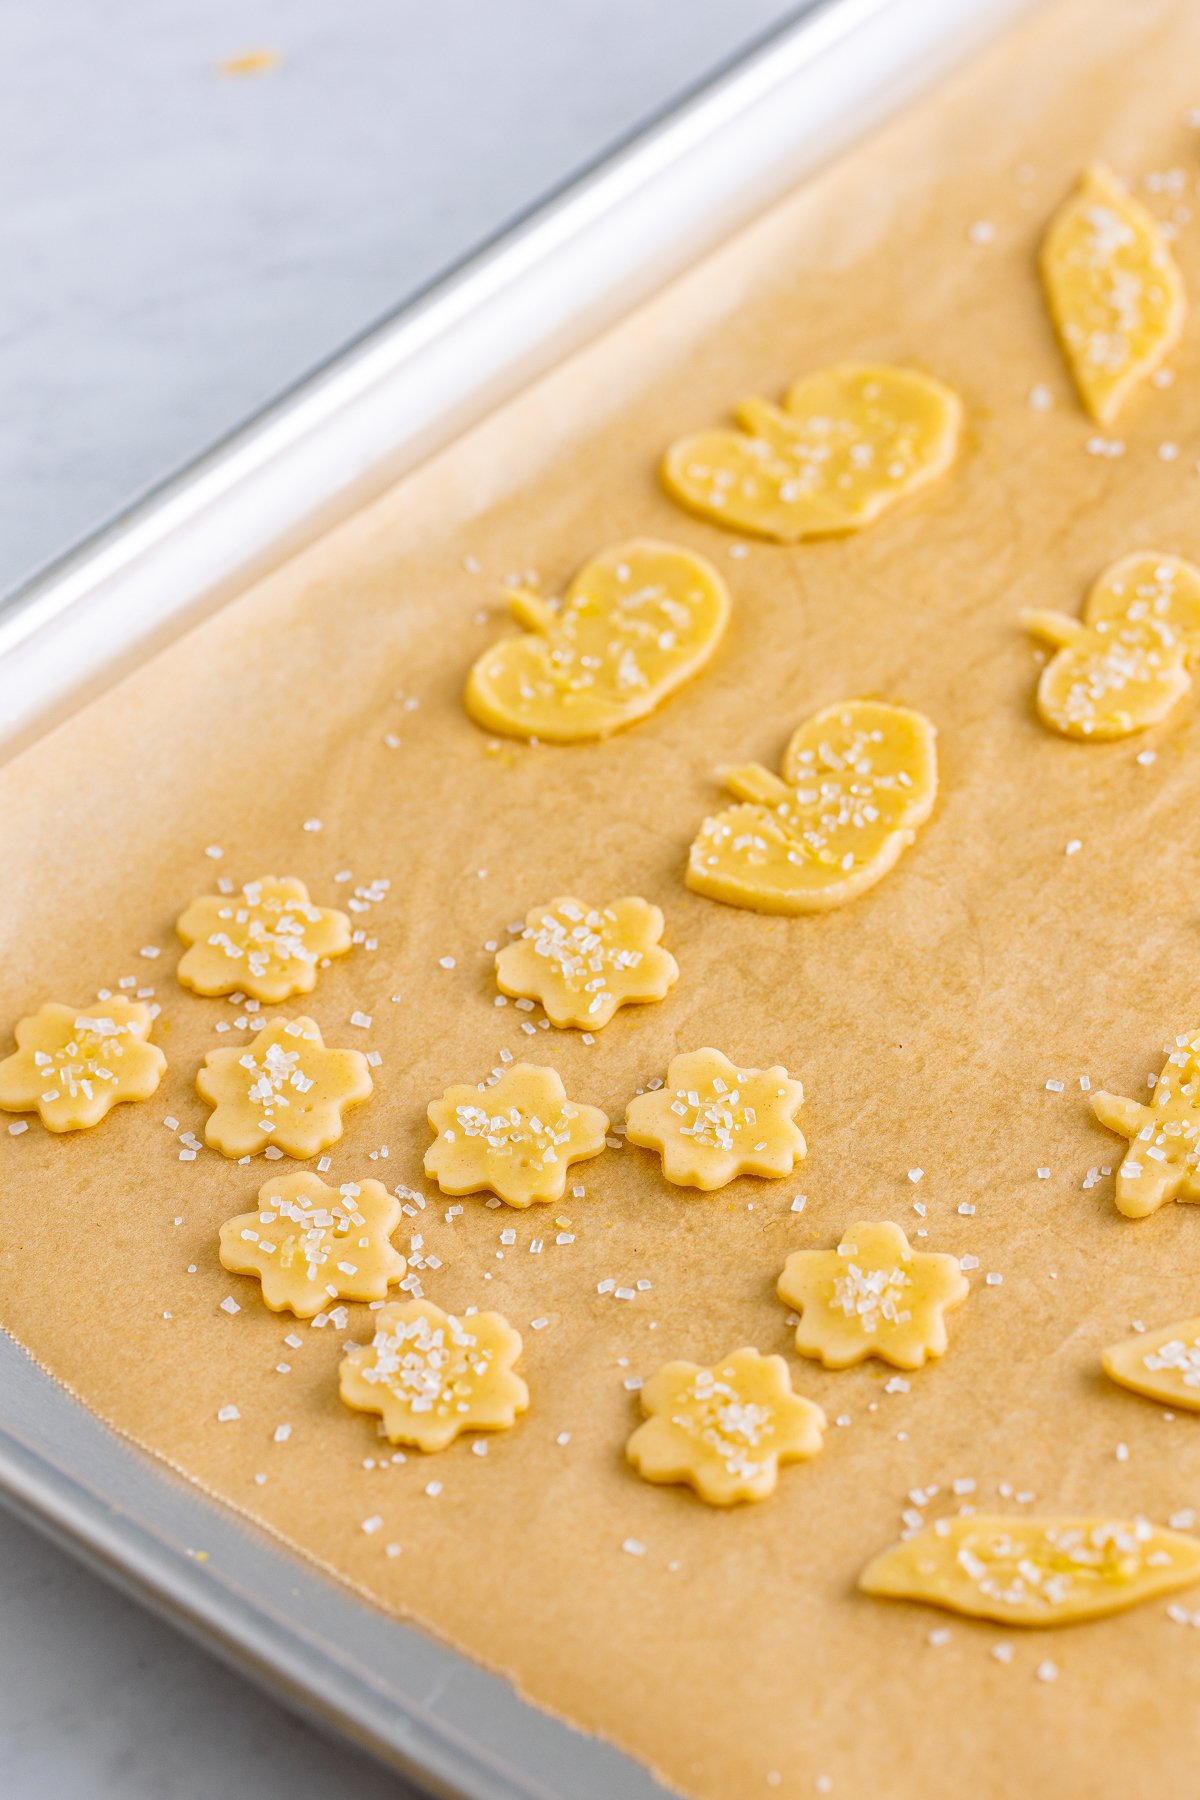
(285, 1089)
(310, 1244)
(1126, 663)
(636, 623)
(1164, 1365)
(73, 1064)
(1162, 1162)
(857, 781)
(516, 1138)
(430, 1375)
(583, 962)
(712, 1121)
(267, 942)
(847, 444)
(724, 1431)
(872, 1296)
(1022, 1571)
(1113, 288)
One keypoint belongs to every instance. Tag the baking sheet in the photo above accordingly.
(924, 1020)
(444, 1722)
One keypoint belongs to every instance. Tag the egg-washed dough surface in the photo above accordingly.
(924, 1018)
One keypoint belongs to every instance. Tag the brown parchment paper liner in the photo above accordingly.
(924, 1020)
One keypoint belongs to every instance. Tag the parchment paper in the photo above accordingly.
(924, 1019)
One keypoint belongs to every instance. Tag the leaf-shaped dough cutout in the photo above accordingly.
(1114, 291)
(1164, 1364)
(1022, 1571)
(857, 781)
(848, 443)
(636, 623)
(1127, 662)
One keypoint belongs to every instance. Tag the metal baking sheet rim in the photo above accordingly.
(402, 391)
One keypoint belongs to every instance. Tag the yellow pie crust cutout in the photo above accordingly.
(285, 1088)
(583, 962)
(724, 1431)
(857, 781)
(1126, 663)
(1022, 1571)
(517, 1138)
(712, 1121)
(636, 623)
(1163, 1365)
(872, 1296)
(73, 1064)
(1114, 291)
(431, 1376)
(267, 942)
(848, 443)
(310, 1244)
(1161, 1163)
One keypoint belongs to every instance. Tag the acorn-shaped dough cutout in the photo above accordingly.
(1129, 660)
(1113, 289)
(637, 622)
(847, 445)
(857, 780)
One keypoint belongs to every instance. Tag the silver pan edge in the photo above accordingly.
(344, 434)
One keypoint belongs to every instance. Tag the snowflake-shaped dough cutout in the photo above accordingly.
(516, 1138)
(1162, 1162)
(310, 1244)
(712, 1121)
(724, 1431)
(872, 1296)
(268, 941)
(1114, 290)
(285, 1089)
(431, 1375)
(583, 962)
(73, 1064)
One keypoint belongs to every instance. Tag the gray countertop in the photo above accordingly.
(178, 245)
